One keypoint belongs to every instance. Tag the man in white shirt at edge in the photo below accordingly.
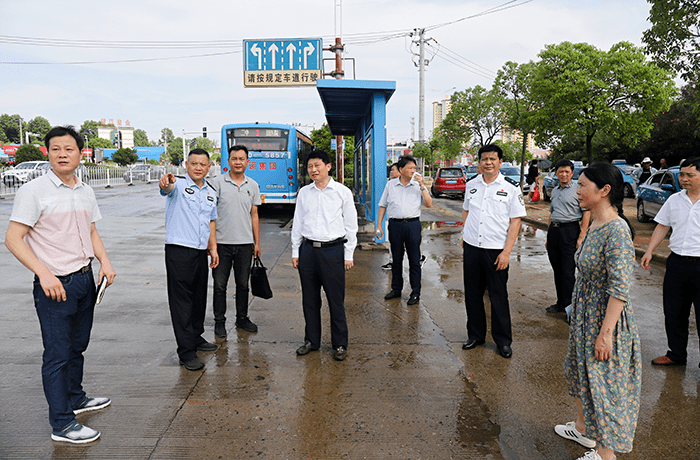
(681, 212)
(324, 236)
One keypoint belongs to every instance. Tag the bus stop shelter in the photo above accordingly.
(358, 108)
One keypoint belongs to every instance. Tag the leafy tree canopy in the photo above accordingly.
(674, 37)
(125, 157)
(321, 139)
(9, 124)
(166, 137)
(28, 152)
(141, 138)
(39, 126)
(476, 113)
(99, 143)
(205, 143)
(578, 89)
(89, 129)
(174, 150)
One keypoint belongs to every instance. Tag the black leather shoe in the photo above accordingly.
(246, 324)
(340, 353)
(392, 295)
(193, 364)
(471, 343)
(555, 309)
(413, 300)
(505, 351)
(220, 330)
(206, 346)
(305, 349)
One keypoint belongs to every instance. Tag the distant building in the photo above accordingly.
(440, 111)
(113, 133)
(510, 135)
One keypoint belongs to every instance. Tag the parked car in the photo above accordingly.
(653, 193)
(627, 176)
(550, 181)
(472, 170)
(22, 173)
(449, 181)
(81, 171)
(512, 172)
(144, 172)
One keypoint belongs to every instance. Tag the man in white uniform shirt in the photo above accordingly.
(493, 207)
(681, 212)
(324, 236)
(401, 201)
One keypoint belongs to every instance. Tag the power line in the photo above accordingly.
(122, 60)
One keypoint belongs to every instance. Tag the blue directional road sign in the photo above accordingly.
(282, 62)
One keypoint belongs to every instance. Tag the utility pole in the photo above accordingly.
(421, 87)
(338, 74)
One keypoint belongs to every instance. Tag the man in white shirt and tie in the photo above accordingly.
(324, 236)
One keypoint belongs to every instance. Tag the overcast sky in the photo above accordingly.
(188, 93)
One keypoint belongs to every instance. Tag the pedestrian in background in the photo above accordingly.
(567, 226)
(324, 236)
(603, 365)
(237, 238)
(52, 232)
(681, 213)
(492, 211)
(644, 172)
(401, 202)
(533, 172)
(190, 234)
(393, 174)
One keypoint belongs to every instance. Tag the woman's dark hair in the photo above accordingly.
(602, 174)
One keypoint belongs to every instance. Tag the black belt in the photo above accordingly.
(408, 219)
(326, 244)
(563, 224)
(85, 269)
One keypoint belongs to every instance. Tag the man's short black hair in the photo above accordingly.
(320, 155)
(693, 161)
(491, 148)
(563, 163)
(197, 152)
(59, 131)
(404, 160)
(236, 148)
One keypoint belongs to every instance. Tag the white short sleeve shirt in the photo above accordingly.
(683, 217)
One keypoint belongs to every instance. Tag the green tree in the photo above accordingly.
(205, 143)
(475, 113)
(674, 37)
(321, 139)
(28, 152)
(167, 137)
(141, 138)
(89, 129)
(3, 138)
(429, 152)
(577, 89)
(125, 157)
(513, 82)
(39, 126)
(450, 138)
(9, 124)
(174, 150)
(99, 143)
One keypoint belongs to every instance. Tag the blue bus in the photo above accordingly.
(277, 155)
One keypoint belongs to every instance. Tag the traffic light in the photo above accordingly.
(204, 131)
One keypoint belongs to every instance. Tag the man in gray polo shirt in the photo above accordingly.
(237, 236)
(568, 224)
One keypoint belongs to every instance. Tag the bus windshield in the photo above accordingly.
(259, 139)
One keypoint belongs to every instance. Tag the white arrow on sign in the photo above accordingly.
(308, 51)
(255, 49)
(291, 49)
(273, 49)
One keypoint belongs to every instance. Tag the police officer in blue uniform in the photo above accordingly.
(190, 227)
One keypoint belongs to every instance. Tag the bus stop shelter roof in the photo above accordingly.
(346, 102)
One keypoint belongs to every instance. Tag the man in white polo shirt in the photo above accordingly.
(681, 212)
(52, 232)
(237, 238)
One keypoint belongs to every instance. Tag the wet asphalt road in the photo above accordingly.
(406, 391)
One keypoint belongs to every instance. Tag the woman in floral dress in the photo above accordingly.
(603, 366)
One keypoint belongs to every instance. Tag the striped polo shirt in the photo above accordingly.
(60, 220)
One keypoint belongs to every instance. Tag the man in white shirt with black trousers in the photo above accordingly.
(324, 236)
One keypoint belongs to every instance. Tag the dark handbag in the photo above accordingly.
(259, 285)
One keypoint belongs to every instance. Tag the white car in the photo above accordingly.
(22, 173)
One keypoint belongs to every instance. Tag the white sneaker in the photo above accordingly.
(75, 433)
(92, 404)
(569, 431)
(590, 455)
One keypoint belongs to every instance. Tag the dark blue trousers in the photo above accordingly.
(681, 290)
(480, 273)
(188, 276)
(323, 268)
(65, 331)
(240, 258)
(405, 236)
